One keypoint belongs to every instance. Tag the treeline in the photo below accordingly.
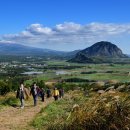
(78, 80)
(57, 67)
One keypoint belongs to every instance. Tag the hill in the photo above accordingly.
(98, 52)
(22, 50)
(17, 49)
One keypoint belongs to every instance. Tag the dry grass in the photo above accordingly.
(113, 81)
(109, 111)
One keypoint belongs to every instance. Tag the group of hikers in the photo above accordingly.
(36, 92)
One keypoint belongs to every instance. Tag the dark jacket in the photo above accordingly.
(35, 91)
(20, 94)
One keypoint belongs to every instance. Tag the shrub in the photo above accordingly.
(89, 72)
(9, 99)
(41, 84)
(4, 88)
(77, 80)
(66, 86)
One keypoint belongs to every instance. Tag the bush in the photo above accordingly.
(4, 88)
(66, 86)
(41, 84)
(89, 72)
(9, 100)
(78, 80)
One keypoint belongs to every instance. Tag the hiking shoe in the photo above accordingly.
(22, 107)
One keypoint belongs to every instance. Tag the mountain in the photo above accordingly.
(128, 55)
(17, 49)
(22, 50)
(98, 52)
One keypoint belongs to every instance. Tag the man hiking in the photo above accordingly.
(20, 95)
(35, 91)
(56, 94)
(48, 92)
(61, 93)
(42, 94)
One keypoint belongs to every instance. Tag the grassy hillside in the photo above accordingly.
(109, 111)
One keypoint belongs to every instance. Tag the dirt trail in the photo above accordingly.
(18, 119)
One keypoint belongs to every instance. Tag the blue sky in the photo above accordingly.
(65, 24)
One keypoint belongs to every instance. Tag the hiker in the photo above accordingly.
(42, 94)
(61, 93)
(48, 92)
(20, 95)
(56, 94)
(35, 91)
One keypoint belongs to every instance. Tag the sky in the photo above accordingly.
(65, 25)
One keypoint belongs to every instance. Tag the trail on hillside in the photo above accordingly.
(12, 118)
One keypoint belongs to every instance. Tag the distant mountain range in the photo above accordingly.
(98, 53)
(17, 49)
(128, 55)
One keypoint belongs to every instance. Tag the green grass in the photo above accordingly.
(57, 112)
(8, 100)
(119, 72)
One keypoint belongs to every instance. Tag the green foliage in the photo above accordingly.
(41, 84)
(66, 86)
(9, 100)
(89, 72)
(4, 87)
(77, 80)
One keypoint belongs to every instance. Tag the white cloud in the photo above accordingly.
(38, 29)
(68, 27)
(68, 33)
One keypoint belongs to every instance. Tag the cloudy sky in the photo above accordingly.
(65, 24)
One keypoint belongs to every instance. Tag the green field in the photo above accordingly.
(98, 72)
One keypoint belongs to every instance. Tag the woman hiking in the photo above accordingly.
(56, 94)
(20, 95)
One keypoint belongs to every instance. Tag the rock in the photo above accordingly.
(110, 88)
(111, 91)
(75, 107)
(128, 88)
(113, 82)
(100, 91)
(98, 85)
(121, 88)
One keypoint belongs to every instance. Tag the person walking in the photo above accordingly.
(48, 92)
(56, 94)
(34, 91)
(42, 94)
(61, 93)
(20, 95)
